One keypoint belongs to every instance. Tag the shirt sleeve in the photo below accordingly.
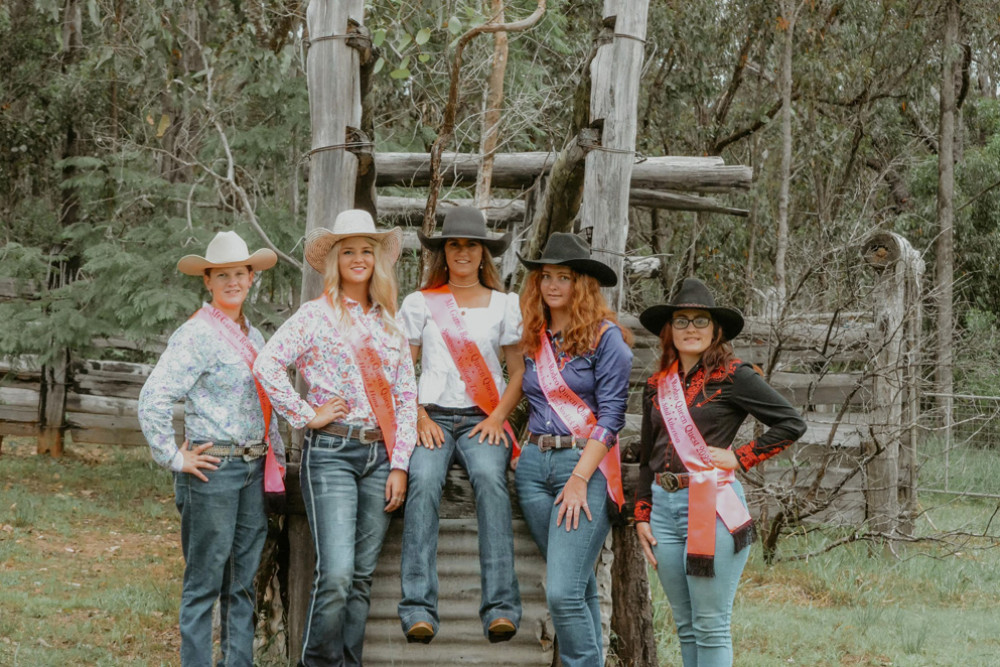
(290, 341)
(644, 487)
(277, 444)
(404, 395)
(758, 398)
(510, 328)
(411, 318)
(176, 372)
(612, 368)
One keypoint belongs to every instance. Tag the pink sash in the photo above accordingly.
(710, 491)
(377, 387)
(476, 375)
(233, 336)
(575, 414)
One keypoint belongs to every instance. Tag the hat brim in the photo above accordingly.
(320, 241)
(604, 274)
(195, 265)
(655, 318)
(495, 245)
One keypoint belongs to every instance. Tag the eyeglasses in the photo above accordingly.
(699, 322)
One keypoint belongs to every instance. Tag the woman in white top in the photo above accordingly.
(462, 313)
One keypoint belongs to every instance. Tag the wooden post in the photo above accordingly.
(52, 406)
(333, 76)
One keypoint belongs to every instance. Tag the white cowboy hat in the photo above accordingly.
(227, 249)
(353, 222)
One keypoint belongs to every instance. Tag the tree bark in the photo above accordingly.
(789, 12)
(492, 105)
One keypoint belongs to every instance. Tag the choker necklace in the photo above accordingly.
(454, 284)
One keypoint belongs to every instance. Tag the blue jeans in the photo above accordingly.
(343, 487)
(223, 527)
(487, 468)
(702, 606)
(570, 557)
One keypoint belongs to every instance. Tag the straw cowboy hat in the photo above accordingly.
(353, 222)
(225, 250)
(465, 222)
(693, 295)
(570, 250)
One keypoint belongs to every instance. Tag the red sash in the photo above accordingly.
(233, 336)
(479, 382)
(575, 414)
(710, 491)
(377, 387)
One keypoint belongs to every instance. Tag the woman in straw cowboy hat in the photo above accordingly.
(459, 324)
(690, 513)
(568, 478)
(219, 469)
(360, 412)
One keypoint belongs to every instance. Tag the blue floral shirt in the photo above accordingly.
(220, 401)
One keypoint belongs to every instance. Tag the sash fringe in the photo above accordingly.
(744, 536)
(700, 566)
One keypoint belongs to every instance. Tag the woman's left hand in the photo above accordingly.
(574, 503)
(491, 430)
(395, 490)
(723, 459)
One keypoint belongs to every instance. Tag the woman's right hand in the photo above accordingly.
(333, 410)
(429, 434)
(647, 541)
(195, 461)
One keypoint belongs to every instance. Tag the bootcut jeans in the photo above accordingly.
(702, 606)
(223, 527)
(570, 557)
(343, 487)
(486, 465)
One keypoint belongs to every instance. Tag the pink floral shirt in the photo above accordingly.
(311, 339)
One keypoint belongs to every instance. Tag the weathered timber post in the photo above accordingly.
(332, 69)
(52, 405)
(897, 264)
(614, 74)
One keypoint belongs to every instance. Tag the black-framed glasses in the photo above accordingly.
(699, 322)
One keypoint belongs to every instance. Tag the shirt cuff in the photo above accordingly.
(605, 436)
(177, 463)
(643, 509)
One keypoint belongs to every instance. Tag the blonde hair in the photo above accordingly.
(382, 287)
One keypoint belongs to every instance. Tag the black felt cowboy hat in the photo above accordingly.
(570, 250)
(465, 222)
(693, 294)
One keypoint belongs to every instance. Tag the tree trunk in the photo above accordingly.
(945, 254)
(492, 104)
(789, 11)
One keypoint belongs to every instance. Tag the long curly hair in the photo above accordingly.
(382, 286)
(437, 270)
(588, 310)
(718, 354)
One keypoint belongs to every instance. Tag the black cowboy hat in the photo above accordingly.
(570, 250)
(465, 222)
(694, 295)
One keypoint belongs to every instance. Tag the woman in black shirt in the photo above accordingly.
(690, 511)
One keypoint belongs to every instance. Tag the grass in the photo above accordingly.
(90, 574)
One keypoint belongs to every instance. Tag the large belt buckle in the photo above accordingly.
(365, 436)
(670, 482)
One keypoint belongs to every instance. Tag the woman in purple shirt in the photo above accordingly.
(570, 333)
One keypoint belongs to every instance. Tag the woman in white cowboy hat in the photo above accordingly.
(461, 324)
(219, 469)
(360, 412)
(690, 512)
(578, 363)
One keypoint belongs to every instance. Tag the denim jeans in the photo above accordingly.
(702, 606)
(223, 527)
(570, 557)
(343, 487)
(487, 468)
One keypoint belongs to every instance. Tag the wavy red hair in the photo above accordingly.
(589, 309)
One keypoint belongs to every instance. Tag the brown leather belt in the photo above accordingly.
(547, 442)
(364, 435)
(673, 481)
(248, 452)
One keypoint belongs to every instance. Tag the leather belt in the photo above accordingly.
(673, 481)
(361, 433)
(547, 442)
(248, 452)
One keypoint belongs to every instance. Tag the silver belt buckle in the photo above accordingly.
(669, 482)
